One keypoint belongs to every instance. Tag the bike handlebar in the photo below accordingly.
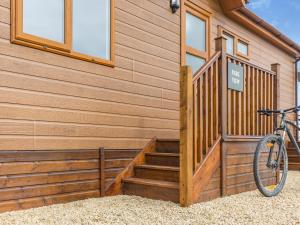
(268, 112)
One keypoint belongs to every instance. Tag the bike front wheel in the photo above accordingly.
(270, 168)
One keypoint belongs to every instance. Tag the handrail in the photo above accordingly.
(206, 66)
(200, 121)
(250, 64)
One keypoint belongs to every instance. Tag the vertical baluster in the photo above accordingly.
(234, 117)
(244, 100)
(272, 101)
(268, 102)
(229, 112)
(265, 96)
(230, 115)
(233, 111)
(196, 125)
(201, 118)
(257, 102)
(248, 104)
(216, 101)
(261, 104)
(206, 112)
(275, 68)
(253, 113)
(211, 107)
(229, 107)
(239, 109)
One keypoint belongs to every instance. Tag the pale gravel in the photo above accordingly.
(245, 208)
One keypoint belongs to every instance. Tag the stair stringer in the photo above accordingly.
(206, 171)
(116, 187)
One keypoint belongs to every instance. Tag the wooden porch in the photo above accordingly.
(219, 131)
(220, 127)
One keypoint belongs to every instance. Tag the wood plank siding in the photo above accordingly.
(49, 101)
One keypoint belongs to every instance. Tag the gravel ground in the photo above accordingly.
(245, 208)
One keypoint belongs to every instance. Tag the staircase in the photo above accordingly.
(156, 172)
(294, 158)
(158, 177)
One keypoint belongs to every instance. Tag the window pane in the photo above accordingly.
(229, 44)
(195, 62)
(195, 32)
(242, 48)
(91, 27)
(44, 19)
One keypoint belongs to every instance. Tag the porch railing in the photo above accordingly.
(259, 93)
(200, 123)
(206, 99)
(209, 111)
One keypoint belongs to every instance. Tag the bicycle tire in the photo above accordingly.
(257, 176)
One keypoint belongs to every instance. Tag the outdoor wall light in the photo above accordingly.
(175, 4)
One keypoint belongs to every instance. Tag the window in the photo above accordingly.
(194, 61)
(73, 28)
(195, 39)
(35, 17)
(229, 43)
(242, 48)
(91, 28)
(235, 45)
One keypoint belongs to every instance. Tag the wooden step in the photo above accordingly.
(155, 172)
(167, 145)
(163, 159)
(294, 158)
(290, 144)
(294, 166)
(154, 189)
(292, 151)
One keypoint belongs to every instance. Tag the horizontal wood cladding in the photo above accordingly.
(37, 178)
(238, 167)
(49, 101)
(86, 105)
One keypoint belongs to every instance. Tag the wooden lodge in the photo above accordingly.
(97, 100)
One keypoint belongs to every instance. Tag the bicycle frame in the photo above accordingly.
(291, 136)
(286, 129)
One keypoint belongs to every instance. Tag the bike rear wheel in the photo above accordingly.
(269, 173)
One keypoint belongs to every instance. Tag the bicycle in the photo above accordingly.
(270, 164)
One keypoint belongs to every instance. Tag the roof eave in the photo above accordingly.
(230, 5)
(236, 10)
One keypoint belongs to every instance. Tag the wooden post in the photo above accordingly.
(221, 46)
(276, 68)
(186, 136)
(102, 171)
